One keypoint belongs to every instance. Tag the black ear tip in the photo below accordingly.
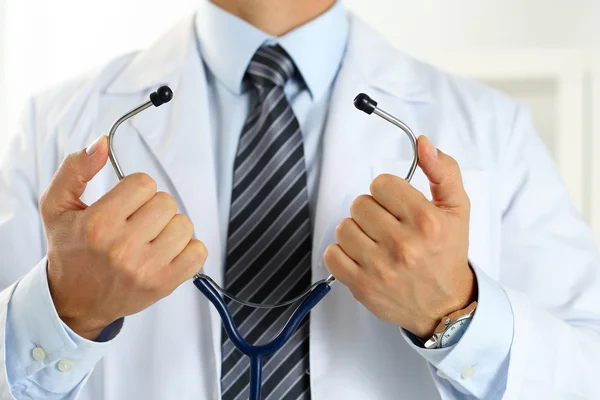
(163, 95)
(365, 103)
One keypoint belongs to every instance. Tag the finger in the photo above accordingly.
(187, 263)
(127, 196)
(72, 177)
(373, 219)
(172, 240)
(397, 196)
(151, 218)
(342, 267)
(443, 173)
(355, 243)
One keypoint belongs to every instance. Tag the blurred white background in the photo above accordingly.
(546, 53)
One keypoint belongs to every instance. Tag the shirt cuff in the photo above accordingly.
(477, 364)
(41, 350)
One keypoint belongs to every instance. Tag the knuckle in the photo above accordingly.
(136, 278)
(167, 201)
(116, 255)
(187, 264)
(359, 203)
(69, 163)
(467, 202)
(381, 181)
(409, 255)
(344, 226)
(183, 224)
(120, 253)
(163, 197)
(330, 255)
(429, 224)
(453, 163)
(143, 182)
(378, 262)
(333, 262)
(199, 250)
(384, 273)
(94, 229)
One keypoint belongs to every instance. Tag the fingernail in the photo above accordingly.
(91, 149)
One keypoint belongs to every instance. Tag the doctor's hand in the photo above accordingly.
(117, 256)
(404, 257)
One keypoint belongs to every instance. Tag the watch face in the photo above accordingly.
(454, 332)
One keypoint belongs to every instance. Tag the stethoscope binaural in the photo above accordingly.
(310, 297)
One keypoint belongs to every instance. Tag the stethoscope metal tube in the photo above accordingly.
(310, 298)
(163, 95)
(369, 106)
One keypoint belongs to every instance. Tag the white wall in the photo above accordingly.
(537, 50)
(483, 25)
(47, 42)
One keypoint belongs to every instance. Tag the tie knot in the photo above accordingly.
(270, 66)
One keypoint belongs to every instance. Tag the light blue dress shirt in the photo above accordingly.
(227, 44)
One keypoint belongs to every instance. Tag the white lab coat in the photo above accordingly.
(524, 232)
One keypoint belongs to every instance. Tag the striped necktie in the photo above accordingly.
(269, 236)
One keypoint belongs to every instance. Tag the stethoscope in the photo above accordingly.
(215, 294)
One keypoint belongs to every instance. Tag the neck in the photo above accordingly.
(275, 17)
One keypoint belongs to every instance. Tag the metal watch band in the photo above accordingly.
(435, 340)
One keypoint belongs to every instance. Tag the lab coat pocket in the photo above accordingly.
(482, 226)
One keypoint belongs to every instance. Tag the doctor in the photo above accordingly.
(281, 180)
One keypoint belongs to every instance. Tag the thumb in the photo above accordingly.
(443, 173)
(72, 177)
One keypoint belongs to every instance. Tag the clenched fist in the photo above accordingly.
(117, 256)
(404, 257)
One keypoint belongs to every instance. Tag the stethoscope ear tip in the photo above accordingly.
(163, 95)
(365, 103)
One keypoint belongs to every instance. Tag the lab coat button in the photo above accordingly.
(38, 354)
(64, 365)
(442, 374)
(467, 373)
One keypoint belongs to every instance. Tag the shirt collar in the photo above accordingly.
(228, 43)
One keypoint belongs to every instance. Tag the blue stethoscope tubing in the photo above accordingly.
(258, 353)
(213, 292)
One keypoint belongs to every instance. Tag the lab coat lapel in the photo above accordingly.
(352, 145)
(178, 136)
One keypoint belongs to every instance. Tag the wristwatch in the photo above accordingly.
(451, 328)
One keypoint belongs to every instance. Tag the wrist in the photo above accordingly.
(80, 322)
(83, 329)
(73, 315)
(464, 294)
